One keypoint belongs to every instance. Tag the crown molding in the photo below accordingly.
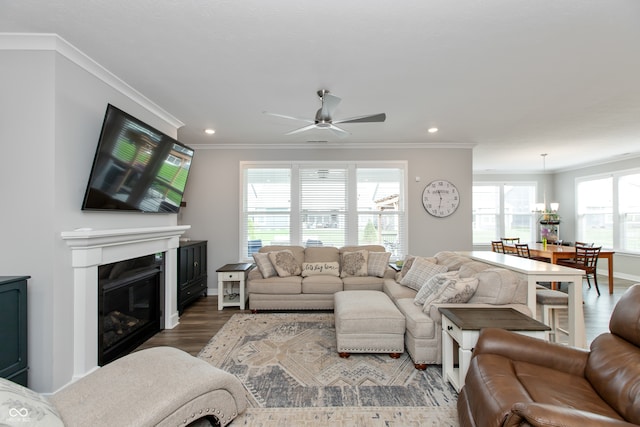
(335, 145)
(55, 43)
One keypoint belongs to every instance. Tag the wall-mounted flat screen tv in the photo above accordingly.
(136, 167)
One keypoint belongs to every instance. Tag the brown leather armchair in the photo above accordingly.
(514, 380)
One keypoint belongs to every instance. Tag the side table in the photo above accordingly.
(231, 274)
(461, 328)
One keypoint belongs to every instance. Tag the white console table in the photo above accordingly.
(538, 271)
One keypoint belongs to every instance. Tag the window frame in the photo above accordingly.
(352, 214)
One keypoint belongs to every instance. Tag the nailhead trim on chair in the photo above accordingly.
(216, 412)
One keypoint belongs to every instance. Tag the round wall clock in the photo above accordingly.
(440, 198)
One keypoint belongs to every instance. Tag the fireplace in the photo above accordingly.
(91, 249)
(129, 305)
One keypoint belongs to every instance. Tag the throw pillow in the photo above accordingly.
(264, 264)
(317, 268)
(354, 263)
(421, 271)
(285, 263)
(406, 265)
(433, 285)
(456, 290)
(378, 263)
(21, 406)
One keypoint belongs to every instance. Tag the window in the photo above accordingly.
(503, 210)
(595, 211)
(323, 204)
(608, 210)
(629, 207)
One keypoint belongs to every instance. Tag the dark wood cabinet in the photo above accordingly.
(192, 272)
(13, 329)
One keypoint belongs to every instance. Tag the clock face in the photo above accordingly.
(440, 198)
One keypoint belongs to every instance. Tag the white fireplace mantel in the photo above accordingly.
(92, 248)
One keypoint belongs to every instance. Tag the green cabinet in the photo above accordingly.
(13, 328)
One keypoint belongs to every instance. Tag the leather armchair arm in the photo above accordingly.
(544, 415)
(527, 349)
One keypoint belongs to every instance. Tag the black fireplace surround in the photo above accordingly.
(130, 295)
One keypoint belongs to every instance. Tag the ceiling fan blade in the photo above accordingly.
(329, 103)
(364, 119)
(338, 131)
(302, 129)
(288, 117)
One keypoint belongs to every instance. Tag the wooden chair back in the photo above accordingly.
(522, 250)
(497, 246)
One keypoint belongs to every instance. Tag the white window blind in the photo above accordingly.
(323, 204)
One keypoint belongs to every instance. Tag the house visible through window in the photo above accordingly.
(503, 210)
(608, 211)
(323, 204)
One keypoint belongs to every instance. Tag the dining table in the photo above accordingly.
(555, 252)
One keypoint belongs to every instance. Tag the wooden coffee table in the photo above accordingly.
(461, 328)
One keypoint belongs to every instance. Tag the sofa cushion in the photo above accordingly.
(397, 291)
(421, 271)
(495, 286)
(320, 268)
(355, 283)
(21, 406)
(451, 260)
(276, 285)
(468, 269)
(264, 264)
(454, 290)
(354, 263)
(285, 263)
(321, 284)
(420, 325)
(377, 263)
(321, 254)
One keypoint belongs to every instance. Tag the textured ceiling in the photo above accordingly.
(516, 78)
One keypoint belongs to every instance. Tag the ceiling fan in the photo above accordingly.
(324, 120)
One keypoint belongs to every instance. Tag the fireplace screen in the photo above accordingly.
(129, 305)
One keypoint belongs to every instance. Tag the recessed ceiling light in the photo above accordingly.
(432, 130)
(209, 131)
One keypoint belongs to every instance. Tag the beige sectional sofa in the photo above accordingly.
(306, 291)
(484, 285)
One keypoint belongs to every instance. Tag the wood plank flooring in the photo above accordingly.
(201, 320)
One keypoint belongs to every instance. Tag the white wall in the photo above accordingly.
(52, 106)
(213, 195)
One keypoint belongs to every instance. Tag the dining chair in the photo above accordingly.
(497, 246)
(522, 250)
(509, 243)
(587, 260)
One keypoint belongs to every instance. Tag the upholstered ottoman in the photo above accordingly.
(368, 322)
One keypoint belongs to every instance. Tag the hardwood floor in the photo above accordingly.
(201, 320)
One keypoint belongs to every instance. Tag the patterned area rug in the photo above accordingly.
(293, 375)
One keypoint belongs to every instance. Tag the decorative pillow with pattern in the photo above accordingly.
(455, 290)
(264, 264)
(433, 285)
(20, 406)
(285, 263)
(354, 263)
(317, 268)
(377, 263)
(421, 271)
